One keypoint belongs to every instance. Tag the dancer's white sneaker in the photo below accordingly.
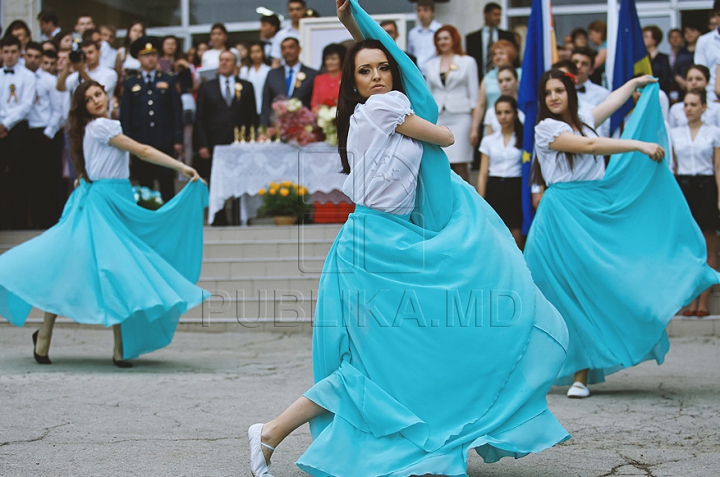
(258, 466)
(578, 391)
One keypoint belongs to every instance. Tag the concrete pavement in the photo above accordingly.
(184, 410)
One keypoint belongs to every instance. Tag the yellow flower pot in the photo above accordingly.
(285, 220)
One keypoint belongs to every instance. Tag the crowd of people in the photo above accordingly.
(592, 293)
(186, 103)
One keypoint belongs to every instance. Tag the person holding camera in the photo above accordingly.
(84, 65)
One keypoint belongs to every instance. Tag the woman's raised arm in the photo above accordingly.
(618, 97)
(346, 18)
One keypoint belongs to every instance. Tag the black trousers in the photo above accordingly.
(45, 159)
(147, 173)
(15, 179)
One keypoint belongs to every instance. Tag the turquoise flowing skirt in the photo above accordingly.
(430, 338)
(619, 256)
(109, 261)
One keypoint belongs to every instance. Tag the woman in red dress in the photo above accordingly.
(327, 85)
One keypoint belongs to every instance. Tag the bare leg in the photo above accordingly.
(299, 412)
(581, 376)
(461, 169)
(519, 238)
(118, 350)
(45, 334)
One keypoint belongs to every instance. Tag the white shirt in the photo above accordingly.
(47, 108)
(108, 54)
(421, 43)
(44, 37)
(17, 94)
(707, 52)
(211, 58)
(677, 117)
(695, 157)
(129, 61)
(384, 163)
(102, 74)
(486, 31)
(505, 161)
(554, 164)
(103, 161)
(492, 120)
(286, 32)
(595, 94)
(295, 70)
(257, 78)
(227, 82)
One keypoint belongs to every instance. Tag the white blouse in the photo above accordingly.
(554, 164)
(505, 161)
(103, 161)
(695, 157)
(384, 164)
(677, 118)
(257, 78)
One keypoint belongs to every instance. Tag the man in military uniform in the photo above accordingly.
(151, 113)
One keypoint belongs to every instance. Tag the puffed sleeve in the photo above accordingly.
(103, 129)
(387, 111)
(547, 130)
(485, 145)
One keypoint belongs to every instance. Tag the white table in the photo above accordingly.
(241, 170)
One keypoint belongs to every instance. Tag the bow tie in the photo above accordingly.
(9, 71)
(582, 89)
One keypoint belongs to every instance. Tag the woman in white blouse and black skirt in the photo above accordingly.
(500, 178)
(696, 150)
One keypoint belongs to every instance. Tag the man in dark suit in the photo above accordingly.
(479, 43)
(223, 104)
(151, 113)
(293, 80)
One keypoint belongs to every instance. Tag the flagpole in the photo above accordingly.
(612, 32)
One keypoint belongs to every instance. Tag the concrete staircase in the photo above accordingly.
(265, 278)
(262, 278)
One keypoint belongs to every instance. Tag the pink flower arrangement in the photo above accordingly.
(296, 122)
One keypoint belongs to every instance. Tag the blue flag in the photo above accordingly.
(631, 56)
(540, 52)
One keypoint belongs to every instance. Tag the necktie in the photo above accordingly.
(582, 89)
(488, 52)
(228, 93)
(8, 71)
(288, 82)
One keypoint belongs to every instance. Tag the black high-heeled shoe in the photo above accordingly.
(121, 363)
(39, 359)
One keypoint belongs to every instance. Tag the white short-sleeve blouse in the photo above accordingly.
(505, 161)
(677, 117)
(384, 164)
(554, 164)
(103, 161)
(695, 157)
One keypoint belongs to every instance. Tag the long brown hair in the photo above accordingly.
(545, 113)
(78, 119)
(348, 97)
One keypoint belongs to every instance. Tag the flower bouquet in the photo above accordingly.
(284, 199)
(147, 198)
(295, 122)
(327, 120)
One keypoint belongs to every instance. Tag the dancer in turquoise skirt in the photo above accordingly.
(108, 261)
(430, 338)
(617, 251)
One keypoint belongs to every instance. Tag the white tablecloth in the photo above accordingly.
(242, 169)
